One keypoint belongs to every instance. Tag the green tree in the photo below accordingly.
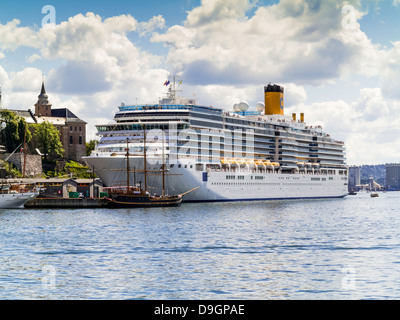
(16, 130)
(90, 146)
(48, 139)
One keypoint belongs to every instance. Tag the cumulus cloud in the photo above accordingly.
(29, 79)
(290, 41)
(147, 27)
(368, 125)
(13, 36)
(214, 12)
(79, 78)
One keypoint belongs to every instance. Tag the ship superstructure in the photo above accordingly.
(229, 155)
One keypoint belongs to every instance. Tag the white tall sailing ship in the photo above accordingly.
(229, 155)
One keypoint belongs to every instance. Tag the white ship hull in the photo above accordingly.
(223, 185)
(15, 200)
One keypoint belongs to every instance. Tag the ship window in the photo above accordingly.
(171, 166)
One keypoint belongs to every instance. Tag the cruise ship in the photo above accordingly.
(236, 155)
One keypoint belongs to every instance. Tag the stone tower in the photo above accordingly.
(42, 106)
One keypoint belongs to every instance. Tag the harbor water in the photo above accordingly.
(301, 249)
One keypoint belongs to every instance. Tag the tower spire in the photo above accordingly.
(43, 107)
(43, 91)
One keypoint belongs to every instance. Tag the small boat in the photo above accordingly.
(374, 195)
(352, 193)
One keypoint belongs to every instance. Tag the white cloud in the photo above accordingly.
(290, 41)
(29, 79)
(213, 12)
(147, 27)
(12, 36)
(33, 58)
(85, 38)
(370, 125)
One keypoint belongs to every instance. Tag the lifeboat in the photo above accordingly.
(250, 162)
(268, 164)
(300, 164)
(224, 161)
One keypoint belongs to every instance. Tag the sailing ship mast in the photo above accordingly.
(145, 157)
(127, 164)
(24, 167)
(163, 168)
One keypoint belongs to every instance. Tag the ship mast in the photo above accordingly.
(163, 168)
(127, 163)
(172, 90)
(23, 170)
(144, 157)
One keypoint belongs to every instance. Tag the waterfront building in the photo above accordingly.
(354, 178)
(393, 176)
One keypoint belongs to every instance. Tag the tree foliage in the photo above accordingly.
(90, 146)
(47, 137)
(16, 130)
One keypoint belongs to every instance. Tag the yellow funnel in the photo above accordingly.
(273, 99)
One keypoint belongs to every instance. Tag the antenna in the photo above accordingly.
(172, 90)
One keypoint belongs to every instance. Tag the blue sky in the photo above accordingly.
(101, 53)
(29, 12)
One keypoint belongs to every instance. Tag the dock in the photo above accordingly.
(60, 203)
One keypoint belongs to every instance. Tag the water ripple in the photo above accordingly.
(254, 250)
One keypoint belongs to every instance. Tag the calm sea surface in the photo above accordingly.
(325, 249)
